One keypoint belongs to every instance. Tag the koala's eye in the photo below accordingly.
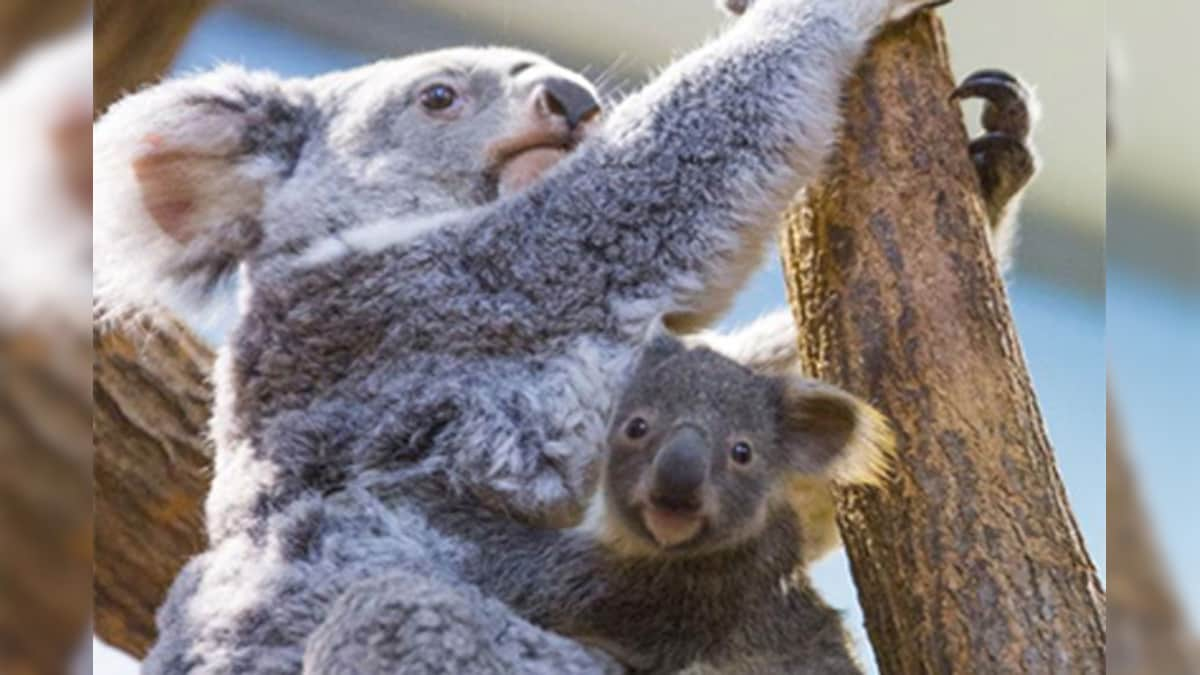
(741, 453)
(637, 428)
(438, 97)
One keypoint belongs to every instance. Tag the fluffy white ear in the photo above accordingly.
(768, 346)
(832, 434)
(181, 170)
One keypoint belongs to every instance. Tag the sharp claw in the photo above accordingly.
(1006, 108)
(994, 74)
(1007, 101)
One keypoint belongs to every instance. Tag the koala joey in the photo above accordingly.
(448, 264)
(691, 556)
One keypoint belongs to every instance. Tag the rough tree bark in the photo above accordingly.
(150, 388)
(970, 560)
(152, 469)
(969, 563)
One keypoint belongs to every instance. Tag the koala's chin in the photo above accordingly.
(523, 170)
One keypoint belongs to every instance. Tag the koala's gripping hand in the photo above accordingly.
(669, 205)
(410, 623)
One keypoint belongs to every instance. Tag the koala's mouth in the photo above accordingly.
(670, 528)
(520, 160)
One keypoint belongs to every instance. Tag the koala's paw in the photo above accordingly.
(902, 9)
(1003, 156)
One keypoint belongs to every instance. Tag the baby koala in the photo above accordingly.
(692, 556)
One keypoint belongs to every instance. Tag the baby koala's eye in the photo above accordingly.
(741, 453)
(637, 428)
(438, 97)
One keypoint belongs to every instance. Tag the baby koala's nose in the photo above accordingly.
(562, 97)
(680, 472)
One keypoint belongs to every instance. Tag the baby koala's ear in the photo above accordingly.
(658, 345)
(181, 171)
(830, 433)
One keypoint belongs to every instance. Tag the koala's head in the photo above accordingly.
(197, 174)
(700, 446)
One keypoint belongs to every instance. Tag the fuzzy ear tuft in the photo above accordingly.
(832, 434)
(658, 345)
(180, 179)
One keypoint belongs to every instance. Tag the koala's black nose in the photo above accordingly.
(680, 472)
(568, 99)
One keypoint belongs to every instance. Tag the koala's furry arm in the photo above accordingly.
(668, 206)
(418, 625)
(481, 342)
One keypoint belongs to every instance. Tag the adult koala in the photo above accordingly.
(418, 310)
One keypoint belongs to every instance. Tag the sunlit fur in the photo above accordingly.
(733, 598)
(481, 351)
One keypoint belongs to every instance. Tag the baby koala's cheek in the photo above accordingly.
(522, 170)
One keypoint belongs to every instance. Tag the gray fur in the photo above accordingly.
(406, 324)
(732, 599)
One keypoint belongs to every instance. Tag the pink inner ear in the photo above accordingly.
(166, 192)
(187, 191)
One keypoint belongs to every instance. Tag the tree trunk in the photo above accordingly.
(150, 387)
(970, 560)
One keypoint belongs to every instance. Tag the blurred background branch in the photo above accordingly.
(136, 41)
(25, 23)
(45, 509)
(45, 412)
(1148, 632)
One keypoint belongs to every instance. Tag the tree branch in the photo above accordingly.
(151, 408)
(45, 513)
(135, 42)
(45, 443)
(24, 23)
(970, 560)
